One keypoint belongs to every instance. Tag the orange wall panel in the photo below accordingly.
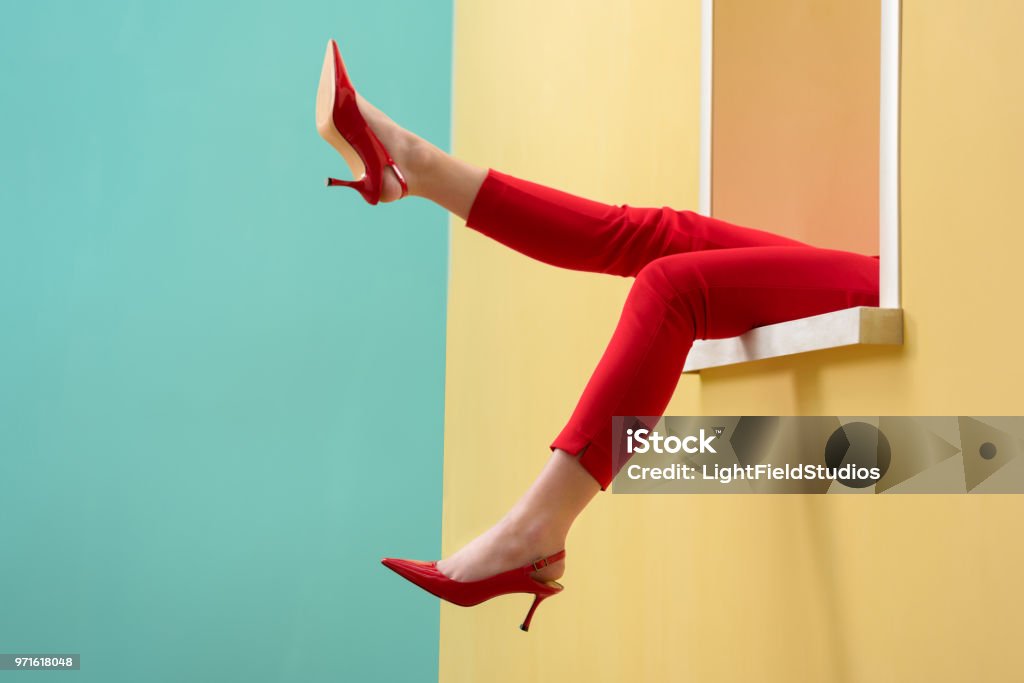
(795, 119)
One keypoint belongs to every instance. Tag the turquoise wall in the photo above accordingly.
(221, 383)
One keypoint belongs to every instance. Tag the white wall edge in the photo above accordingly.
(889, 157)
(706, 53)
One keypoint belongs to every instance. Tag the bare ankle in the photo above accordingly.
(535, 532)
(419, 158)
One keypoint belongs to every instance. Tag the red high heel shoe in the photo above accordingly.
(468, 593)
(340, 123)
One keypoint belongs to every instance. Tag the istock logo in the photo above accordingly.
(645, 441)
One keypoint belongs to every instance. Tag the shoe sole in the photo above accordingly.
(325, 115)
(550, 583)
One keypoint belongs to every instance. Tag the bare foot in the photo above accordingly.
(410, 152)
(506, 545)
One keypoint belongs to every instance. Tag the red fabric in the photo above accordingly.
(696, 277)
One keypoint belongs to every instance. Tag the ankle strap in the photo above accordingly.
(401, 177)
(537, 565)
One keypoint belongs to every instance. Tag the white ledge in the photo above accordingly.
(858, 325)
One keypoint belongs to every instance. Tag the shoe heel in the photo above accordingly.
(537, 599)
(362, 185)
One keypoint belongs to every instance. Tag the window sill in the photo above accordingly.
(850, 326)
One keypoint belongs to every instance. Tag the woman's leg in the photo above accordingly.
(701, 295)
(570, 231)
(551, 225)
(674, 300)
(536, 526)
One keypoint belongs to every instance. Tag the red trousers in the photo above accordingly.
(696, 277)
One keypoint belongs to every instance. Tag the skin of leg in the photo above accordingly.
(536, 526)
(431, 173)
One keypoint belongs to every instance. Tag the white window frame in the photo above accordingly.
(859, 325)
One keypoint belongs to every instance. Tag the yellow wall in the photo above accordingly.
(602, 101)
